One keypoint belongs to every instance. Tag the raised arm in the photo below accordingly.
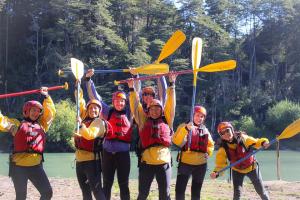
(48, 114)
(170, 106)
(82, 104)
(136, 106)
(93, 94)
(162, 89)
(49, 110)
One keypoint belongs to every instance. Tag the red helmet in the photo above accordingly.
(223, 126)
(200, 109)
(30, 104)
(119, 94)
(94, 101)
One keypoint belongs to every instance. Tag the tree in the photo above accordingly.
(60, 134)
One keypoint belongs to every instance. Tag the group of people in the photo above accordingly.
(104, 137)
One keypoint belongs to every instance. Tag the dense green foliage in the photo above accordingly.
(61, 131)
(39, 37)
(278, 117)
(247, 124)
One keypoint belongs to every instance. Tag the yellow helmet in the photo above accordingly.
(94, 101)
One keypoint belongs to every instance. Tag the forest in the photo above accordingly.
(261, 96)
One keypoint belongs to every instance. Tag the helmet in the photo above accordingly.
(200, 109)
(94, 101)
(223, 126)
(155, 102)
(119, 94)
(30, 104)
(148, 89)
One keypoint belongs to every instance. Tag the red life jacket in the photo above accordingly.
(121, 126)
(155, 133)
(240, 152)
(30, 137)
(199, 140)
(94, 145)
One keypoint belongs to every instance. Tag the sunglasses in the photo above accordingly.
(224, 132)
(148, 94)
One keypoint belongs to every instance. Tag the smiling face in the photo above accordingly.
(119, 103)
(34, 113)
(148, 97)
(93, 111)
(199, 118)
(155, 112)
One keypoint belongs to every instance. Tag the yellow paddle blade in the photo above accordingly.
(196, 52)
(290, 131)
(171, 45)
(77, 68)
(219, 66)
(151, 69)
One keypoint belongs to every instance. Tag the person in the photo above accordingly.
(147, 94)
(192, 158)
(116, 145)
(155, 130)
(29, 138)
(236, 145)
(88, 143)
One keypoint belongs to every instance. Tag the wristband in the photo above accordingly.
(171, 84)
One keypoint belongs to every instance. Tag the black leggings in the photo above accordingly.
(120, 162)
(36, 174)
(256, 179)
(89, 179)
(183, 175)
(162, 173)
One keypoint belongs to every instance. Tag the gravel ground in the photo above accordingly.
(69, 189)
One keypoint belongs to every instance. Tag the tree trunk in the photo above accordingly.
(213, 115)
(36, 72)
(275, 83)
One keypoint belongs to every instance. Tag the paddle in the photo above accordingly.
(219, 66)
(215, 67)
(196, 59)
(77, 69)
(145, 69)
(65, 86)
(288, 132)
(171, 45)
